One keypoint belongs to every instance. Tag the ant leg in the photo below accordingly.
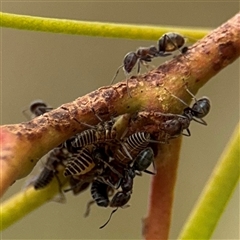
(200, 120)
(128, 90)
(61, 197)
(188, 134)
(85, 124)
(125, 150)
(139, 62)
(156, 141)
(147, 66)
(149, 172)
(88, 125)
(112, 168)
(98, 117)
(89, 204)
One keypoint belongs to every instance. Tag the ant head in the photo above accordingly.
(202, 107)
(37, 103)
(120, 199)
(129, 61)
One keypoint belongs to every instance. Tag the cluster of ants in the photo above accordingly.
(107, 157)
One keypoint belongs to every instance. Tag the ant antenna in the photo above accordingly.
(116, 75)
(88, 125)
(188, 91)
(126, 74)
(85, 124)
(179, 99)
(199, 109)
(108, 218)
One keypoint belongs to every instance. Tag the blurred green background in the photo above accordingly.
(59, 68)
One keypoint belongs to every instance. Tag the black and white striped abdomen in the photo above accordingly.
(99, 192)
(129, 149)
(80, 163)
(85, 138)
(138, 141)
(44, 178)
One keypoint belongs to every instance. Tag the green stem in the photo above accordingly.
(216, 194)
(24, 202)
(96, 29)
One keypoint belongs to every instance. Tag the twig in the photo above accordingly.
(98, 29)
(216, 194)
(157, 223)
(31, 140)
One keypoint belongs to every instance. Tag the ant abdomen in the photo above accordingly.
(201, 107)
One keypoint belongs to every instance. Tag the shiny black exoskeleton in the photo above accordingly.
(170, 42)
(100, 189)
(143, 56)
(175, 126)
(56, 160)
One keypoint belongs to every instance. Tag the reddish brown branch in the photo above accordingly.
(157, 223)
(31, 140)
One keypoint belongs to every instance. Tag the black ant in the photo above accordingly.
(200, 109)
(56, 160)
(101, 190)
(144, 159)
(169, 42)
(143, 55)
(37, 108)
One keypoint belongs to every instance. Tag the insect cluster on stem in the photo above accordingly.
(107, 157)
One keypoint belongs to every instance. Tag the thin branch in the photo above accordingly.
(216, 194)
(157, 224)
(26, 201)
(95, 29)
(31, 140)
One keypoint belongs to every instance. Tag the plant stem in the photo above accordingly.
(216, 194)
(157, 224)
(96, 29)
(25, 202)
